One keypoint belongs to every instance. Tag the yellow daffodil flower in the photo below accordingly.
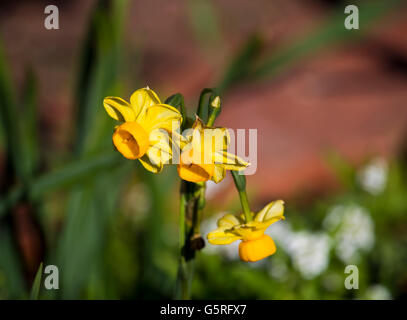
(204, 154)
(255, 244)
(145, 124)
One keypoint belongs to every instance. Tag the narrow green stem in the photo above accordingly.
(181, 288)
(182, 220)
(192, 201)
(240, 183)
(211, 119)
(199, 210)
(245, 205)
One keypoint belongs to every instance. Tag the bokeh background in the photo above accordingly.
(330, 106)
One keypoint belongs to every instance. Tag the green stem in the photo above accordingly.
(182, 221)
(192, 201)
(199, 210)
(245, 205)
(212, 119)
(181, 288)
(240, 183)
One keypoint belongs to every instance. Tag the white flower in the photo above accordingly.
(278, 269)
(373, 177)
(309, 251)
(353, 230)
(378, 292)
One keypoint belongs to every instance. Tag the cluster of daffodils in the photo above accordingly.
(149, 131)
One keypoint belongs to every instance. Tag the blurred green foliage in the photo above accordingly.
(112, 228)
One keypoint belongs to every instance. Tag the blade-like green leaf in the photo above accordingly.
(204, 22)
(9, 119)
(28, 126)
(77, 171)
(68, 175)
(92, 203)
(177, 101)
(98, 72)
(35, 289)
(10, 267)
(241, 65)
(329, 33)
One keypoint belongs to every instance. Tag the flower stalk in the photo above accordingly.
(192, 202)
(142, 134)
(240, 183)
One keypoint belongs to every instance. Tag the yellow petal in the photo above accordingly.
(219, 237)
(230, 161)
(219, 173)
(162, 116)
(274, 210)
(198, 124)
(249, 231)
(229, 221)
(118, 109)
(179, 140)
(152, 160)
(141, 99)
(215, 139)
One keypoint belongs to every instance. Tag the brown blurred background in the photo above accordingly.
(351, 98)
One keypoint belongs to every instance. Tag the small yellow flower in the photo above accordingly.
(204, 156)
(145, 124)
(255, 244)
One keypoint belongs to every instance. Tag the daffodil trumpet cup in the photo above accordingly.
(141, 122)
(257, 249)
(204, 154)
(131, 140)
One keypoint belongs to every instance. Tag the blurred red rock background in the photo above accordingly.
(351, 97)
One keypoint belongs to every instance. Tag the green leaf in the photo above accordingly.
(92, 203)
(28, 127)
(204, 23)
(177, 101)
(81, 245)
(100, 65)
(10, 268)
(204, 108)
(242, 64)
(9, 118)
(331, 32)
(81, 170)
(35, 289)
(76, 171)
(240, 180)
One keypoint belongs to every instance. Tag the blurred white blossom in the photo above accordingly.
(137, 202)
(373, 177)
(378, 292)
(279, 269)
(309, 251)
(353, 231)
